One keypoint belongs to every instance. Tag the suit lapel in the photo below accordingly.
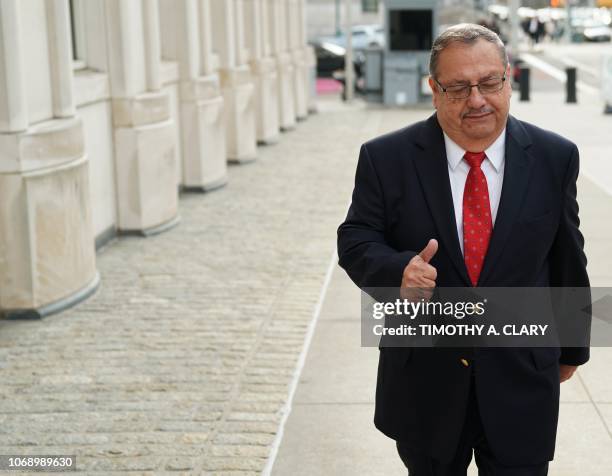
(517, 170)
(432, 169)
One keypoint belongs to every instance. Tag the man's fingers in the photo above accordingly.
(430, 272)
(426, 283)
(429, 251)
(419, 274)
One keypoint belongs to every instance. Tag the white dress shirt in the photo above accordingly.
(458, 168)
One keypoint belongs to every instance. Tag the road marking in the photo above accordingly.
(557, 74)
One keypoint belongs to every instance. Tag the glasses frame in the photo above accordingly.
(470, 86)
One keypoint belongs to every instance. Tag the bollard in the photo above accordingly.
(570, 85)
(524, 84)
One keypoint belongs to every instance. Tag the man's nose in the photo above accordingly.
(475, 99)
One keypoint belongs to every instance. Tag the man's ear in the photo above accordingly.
(434, 89)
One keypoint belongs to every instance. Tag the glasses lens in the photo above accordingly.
(458, 92)
(490, 86)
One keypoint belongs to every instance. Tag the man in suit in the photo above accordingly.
(469, 197)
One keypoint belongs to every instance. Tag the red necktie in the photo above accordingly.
(477, 224)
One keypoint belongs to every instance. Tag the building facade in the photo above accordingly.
(109, 107)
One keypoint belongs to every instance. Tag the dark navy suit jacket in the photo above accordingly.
(402, 198)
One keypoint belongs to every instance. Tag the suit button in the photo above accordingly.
(465, 363)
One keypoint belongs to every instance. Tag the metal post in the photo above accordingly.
(570, 85)
(349, 86)
(524, 84)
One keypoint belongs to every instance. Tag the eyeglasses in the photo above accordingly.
(463, 91)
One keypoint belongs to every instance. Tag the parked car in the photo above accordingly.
(330, 58)
(363, 36)
(594, 30)
(590, 24)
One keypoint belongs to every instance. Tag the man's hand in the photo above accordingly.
(566, 372)
(419, 273)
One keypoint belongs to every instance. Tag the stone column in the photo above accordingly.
(298, 58)
(188, 39)
(284, 64)
(263, 69)
(60, 54)
(147, 196)
(151, 43)
(13, 103)
(47, 253)
(236, 80)
(310, 60)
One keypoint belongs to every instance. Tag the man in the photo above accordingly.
(469, 197)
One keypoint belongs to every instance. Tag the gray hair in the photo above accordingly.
(467, 33)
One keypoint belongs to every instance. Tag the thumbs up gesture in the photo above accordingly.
(419, 273)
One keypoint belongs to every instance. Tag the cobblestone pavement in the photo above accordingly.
(182, 360)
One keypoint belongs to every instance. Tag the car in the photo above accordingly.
(330, 58)
(363, 36)
(589, 30)
(593, 30)
(590, 24)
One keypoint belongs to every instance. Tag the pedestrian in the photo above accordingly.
(409, 227)
(534, 30)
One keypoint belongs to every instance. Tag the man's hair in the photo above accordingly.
(467, 33)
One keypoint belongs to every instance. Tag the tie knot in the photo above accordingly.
(474, 158)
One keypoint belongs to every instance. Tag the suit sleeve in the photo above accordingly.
(363, 250)
(569, 273)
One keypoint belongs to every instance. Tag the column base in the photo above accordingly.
(286, 94)
(145, 161)
(208, 187)
(106, 237)
(47, 254)
(266, 100)
(311, 85)
(241, 160)
(269, 141)
(299, 82)
(203, 134)
(153, 230)
(54, 307)
(238, 94)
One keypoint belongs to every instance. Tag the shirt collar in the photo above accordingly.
(495, 152)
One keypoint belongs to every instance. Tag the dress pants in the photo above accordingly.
(472, 438)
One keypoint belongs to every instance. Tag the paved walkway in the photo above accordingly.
(184, 359)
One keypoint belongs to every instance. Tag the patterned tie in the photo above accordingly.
(477, 224)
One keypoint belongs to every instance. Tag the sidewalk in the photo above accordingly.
(330, 429)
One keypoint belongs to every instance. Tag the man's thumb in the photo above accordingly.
(429, 251)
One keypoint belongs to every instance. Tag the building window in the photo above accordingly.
(79, 38)
(369, 6)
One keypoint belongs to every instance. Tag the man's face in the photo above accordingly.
(478, 118)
